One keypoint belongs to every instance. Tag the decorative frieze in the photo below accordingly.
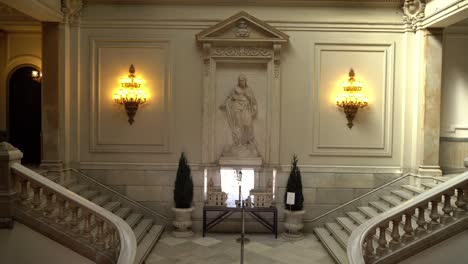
(241, 52)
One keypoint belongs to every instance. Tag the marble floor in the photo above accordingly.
(220, 248)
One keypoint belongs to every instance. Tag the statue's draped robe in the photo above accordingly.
(241, 110)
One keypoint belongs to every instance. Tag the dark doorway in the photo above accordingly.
(24, 114)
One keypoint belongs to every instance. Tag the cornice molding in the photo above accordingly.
(281, 25)
(356, 3)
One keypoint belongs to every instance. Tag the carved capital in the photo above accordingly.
(206, 57)
(413, 13)
(71, 10)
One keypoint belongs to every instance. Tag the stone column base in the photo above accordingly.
(433, 171)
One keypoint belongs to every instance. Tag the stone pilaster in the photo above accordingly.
(431, 97)
(51, 114)
(8, 156)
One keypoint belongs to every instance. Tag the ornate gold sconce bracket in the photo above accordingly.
(352, 99)
(130, 94)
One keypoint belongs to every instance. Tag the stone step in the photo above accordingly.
(379, 206)
(429, 185)
(101, 200)
(347, 224)
(90, 194)
(390, 200)
(357, 217)
(147, 243)
(78, 188)
(413, 189)
(402, 194)
(338, 233)
(331, 245)
(368, 211)
(69, 183)
(133, 219)
(123, 212)
(142, 228)
(112, 206)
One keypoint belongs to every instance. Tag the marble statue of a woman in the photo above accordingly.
(241, 109)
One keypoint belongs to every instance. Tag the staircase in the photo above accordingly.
(334, 235)
(143, 224)
(146, 231)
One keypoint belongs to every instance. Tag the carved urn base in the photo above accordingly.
(293, 224)
(182, 222)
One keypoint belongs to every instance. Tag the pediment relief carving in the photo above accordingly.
(244, 28)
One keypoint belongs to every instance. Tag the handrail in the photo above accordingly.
(366, 231)
(127, 239)
(135, 203)
(359, 198)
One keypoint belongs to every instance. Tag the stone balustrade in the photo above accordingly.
(413, 225)
(110, 239)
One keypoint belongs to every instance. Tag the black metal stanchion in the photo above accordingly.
(242, 240)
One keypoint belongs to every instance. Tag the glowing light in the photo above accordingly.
(352, 99)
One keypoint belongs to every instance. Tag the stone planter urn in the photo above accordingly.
(293, 224)
(182, 222)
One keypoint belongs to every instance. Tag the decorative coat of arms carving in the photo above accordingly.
(414, 13)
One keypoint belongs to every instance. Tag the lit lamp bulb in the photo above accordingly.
(352, 99)
(130, 94)
(36, 75)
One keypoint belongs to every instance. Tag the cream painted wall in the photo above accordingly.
(18, 48)
(338, 164)
(310, 121)
(454, 121)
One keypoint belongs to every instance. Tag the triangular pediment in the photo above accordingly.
(242, 27)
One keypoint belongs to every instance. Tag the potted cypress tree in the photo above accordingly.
(294, 212)
(183, 196)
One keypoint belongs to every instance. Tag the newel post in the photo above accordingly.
(8, 156)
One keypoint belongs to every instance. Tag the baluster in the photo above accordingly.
(100, 236)
(460, 203)
(49, 207)
(369, 254)
(62, 215)
(421, 229)
(86, 233)
(382, 249)
(408, 236)
(447, 217)
(395, 242)
(74, 218)
(112, 247)
(24, 195)
(433, 224)
(36, 202)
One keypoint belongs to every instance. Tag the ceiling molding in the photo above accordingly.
(388, 3)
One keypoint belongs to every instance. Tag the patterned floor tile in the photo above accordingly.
(206, 241)
(256, 247)
(172, 241)
(223, 249)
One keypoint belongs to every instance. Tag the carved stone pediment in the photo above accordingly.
(236, 50)
(242, 28)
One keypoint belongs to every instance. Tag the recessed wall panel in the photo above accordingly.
(371, 133)
(110, 130)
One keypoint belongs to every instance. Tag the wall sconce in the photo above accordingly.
(351, 100)
(36, 75)
(130, 95)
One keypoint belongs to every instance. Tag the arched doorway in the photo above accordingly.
(24, 114)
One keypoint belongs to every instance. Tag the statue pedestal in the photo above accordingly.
(240, 162)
